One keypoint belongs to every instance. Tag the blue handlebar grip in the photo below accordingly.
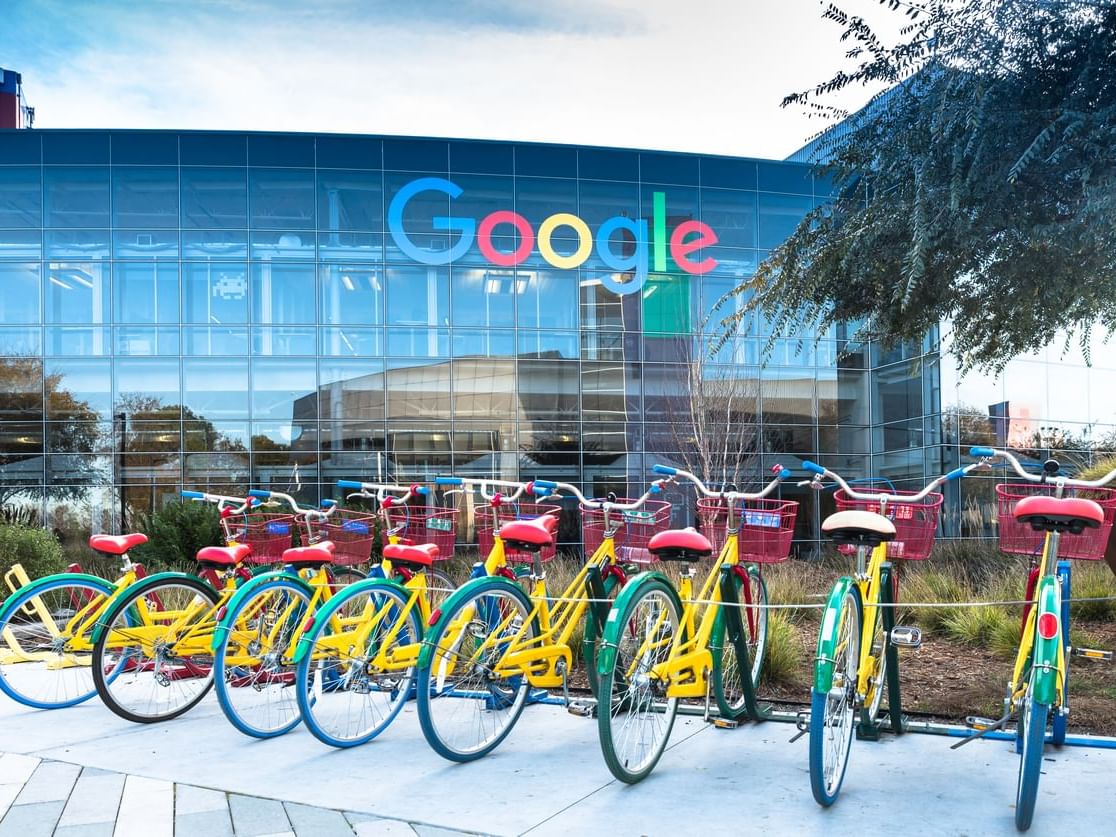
(193, 495)
(328, 504)
(448, 481)
(664, 469)
(259, 492)
(981, 451)
(656, 488)
(350, 484)
(784, 473)
(813, 467)
(956, 473)
(422, 490)
(545, 484)
(539, 490)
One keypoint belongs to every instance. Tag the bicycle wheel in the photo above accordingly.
(42, 663)
(466, 704)
(439, 587)
(592, 635)
(833, 713)
(728, 682)
(634, 715)
(344, 576)
(253, 667)
(142, 672)
(346, 694)
(877, 683)
(1032, 723)
(1059, 714)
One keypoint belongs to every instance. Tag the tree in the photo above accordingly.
(981, 187)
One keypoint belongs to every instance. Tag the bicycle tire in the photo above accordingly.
(1060, 714)
(31, 683)
(114, 683)
(334, 690)
(835, 710)
(591, 636)
(728, 686)
(626, 702)
(439, 587)
(274, 710)
(476, 689)
(877, 684)
(1033, 726)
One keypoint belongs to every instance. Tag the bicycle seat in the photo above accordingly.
(223, 556)
(1059, 514)
(422, 555)
(116, 544)
(309, 556)
(680, 545)
(858, 528)
(529, 535)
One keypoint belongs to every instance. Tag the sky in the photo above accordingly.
(685, 75)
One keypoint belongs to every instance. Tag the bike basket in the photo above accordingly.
(634, 529)
(424, 524)
(1018, 538)
(490, 518)
(915, 522)
(352, 532)
(269, 535)
(766, 527)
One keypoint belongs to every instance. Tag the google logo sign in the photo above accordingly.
(648, 251)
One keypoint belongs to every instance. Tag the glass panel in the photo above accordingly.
(268, 245)
(418, 296)
(485, 297)
(215, 341)
(283, 388)
(215, 292)
(668, 168)
(212, 149)
(418, 342)
(283, 292)
(146, 293)
(79, 389)
(537, 199)
(77, 292)
(597, 202)
(146, 340)
(21, 389)
(728, 173)
(21, 197)
(484, 388)
(548, 390)
(76, 197)
(487, 342)
(546, 160)
(21, 147)
(562, 344)
(349, 246)
(75, 469)
(77, 244)
(214, 198)
(74, 147)
(210, 244)
(20, 292)
(785, 177)
(20, 341)
(80, 341)
(147, 386)
(21, 244)
(145, 148)
(278, 150)
(350, 200)
(145, 244)
(144, 196)
(732, 215)
(349, 152)
(365, 436)
(284, 341)
(215, 435)
(779, 215)
(419, 392)
(416, 155)
(215, 388)
(481, 157)
(352, 342)
(603, 164)
(352, 293)
(282, 199)
(352, 389)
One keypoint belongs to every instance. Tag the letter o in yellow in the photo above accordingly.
(584, 246)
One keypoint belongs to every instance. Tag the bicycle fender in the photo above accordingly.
(606, 656)
(38, 583)
(323, 613)
(827, 636)
(491, 582)
(1046, 652)
(247, 589)
(142, 584)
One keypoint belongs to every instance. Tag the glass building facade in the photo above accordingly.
(219, 310)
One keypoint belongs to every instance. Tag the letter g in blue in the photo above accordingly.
(466, 226)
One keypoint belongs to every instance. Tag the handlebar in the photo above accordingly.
(987, 454)
(780, 472)
(482, 484)
(883, 496)
(655, 488)
(239, 504)
(380, 491)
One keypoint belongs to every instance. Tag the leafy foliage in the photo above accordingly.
(980, 188)
(37, 550)
(175, 534)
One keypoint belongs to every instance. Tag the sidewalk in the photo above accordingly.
(85, 771)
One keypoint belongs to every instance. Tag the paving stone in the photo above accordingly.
(190, 799)
(383, 828)
(8, 793)
(146, 808)
(96, 829)
(16, 769)
(203, 824)
(255, 817)
(437, 831)
(52, 781)
(94, 799)
(35, 820)
(308, 821)
(359, 816)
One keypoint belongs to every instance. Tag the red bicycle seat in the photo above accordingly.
(536, 533)
(224, 556)
(318, 554)
(116, 544)
(680, 545)
(1059, 514)
(422, 555)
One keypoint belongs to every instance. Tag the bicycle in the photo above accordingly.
(856, 658)
(50, 626)
(255, 641)
(1038, 517)
(492, 642)
(656, 651)
(352, 683)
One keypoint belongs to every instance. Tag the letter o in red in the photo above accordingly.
(521, 224)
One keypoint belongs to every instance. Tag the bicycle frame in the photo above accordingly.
(1046, 658)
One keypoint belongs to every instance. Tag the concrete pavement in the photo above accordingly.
(547, 778)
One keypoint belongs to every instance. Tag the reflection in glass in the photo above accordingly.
(215, 292)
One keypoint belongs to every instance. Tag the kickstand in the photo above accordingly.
(981, 733)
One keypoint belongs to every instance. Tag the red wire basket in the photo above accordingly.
(1018, 538)
(766, 527)
(424, 524)
(915, 522)
(352, 533)
(490, 518)
(635, 529)
(269, 534)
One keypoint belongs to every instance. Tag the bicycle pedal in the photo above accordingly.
(724, 723)
(978, 723)
(903, 636)
(582, 710)
(1092, 654)
(802, 724)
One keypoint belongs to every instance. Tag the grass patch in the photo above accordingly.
(979, 625)
(784, 662)
(1092, 580)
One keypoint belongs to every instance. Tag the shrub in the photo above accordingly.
(37, 550)
(175, 534)
(932, 586)
(979, 625)
(784, 663)
(1091, 581)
